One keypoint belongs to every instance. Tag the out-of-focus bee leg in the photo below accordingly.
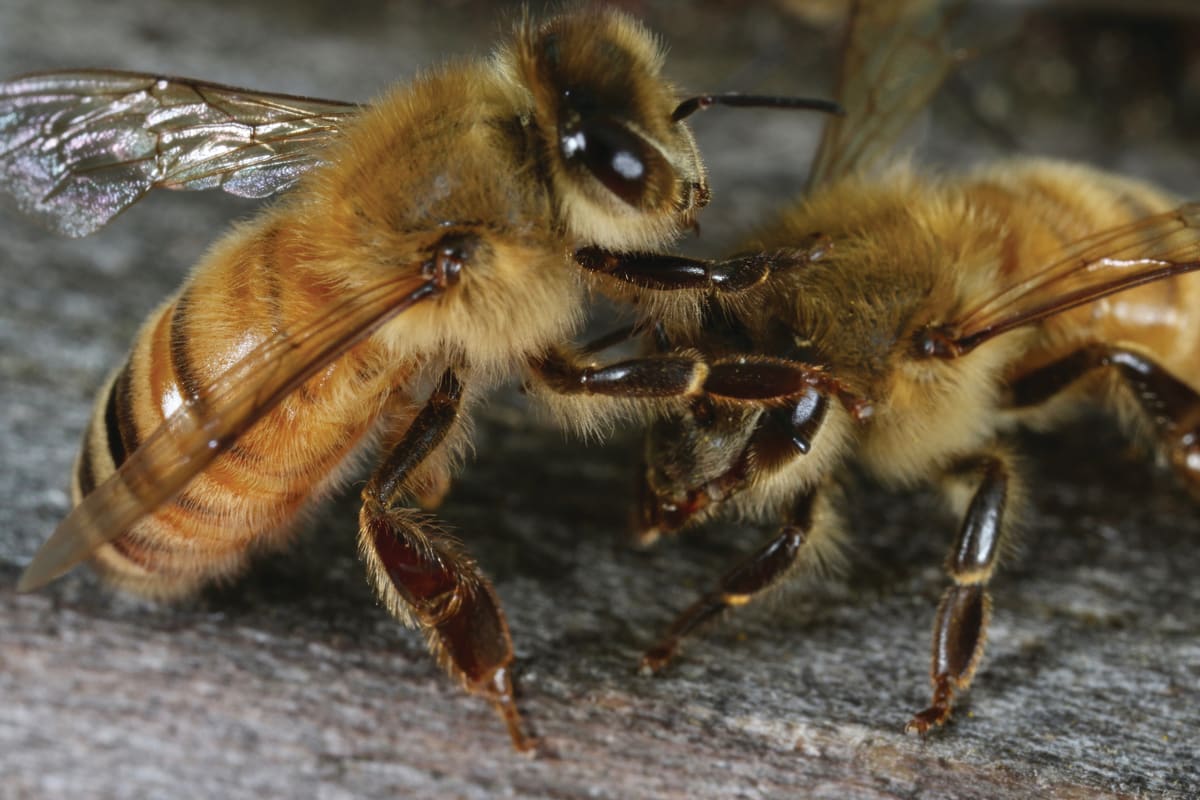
(661, 271)
(611, 339)
(425, 577)
(431, 495)
(808, 522)
(1172, 406)
(960, 629)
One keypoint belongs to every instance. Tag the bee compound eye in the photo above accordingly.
(618, 158)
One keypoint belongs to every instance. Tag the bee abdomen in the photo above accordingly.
(147, 558)
(249, 494)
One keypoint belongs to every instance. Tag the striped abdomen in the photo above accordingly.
(247, 289)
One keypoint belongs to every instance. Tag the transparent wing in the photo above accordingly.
(208, 423)
(1148, 250)
(78, 148)
(895, 57)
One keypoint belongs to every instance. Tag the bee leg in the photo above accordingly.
(425, 577)
(430, 496)
(611, 339)
(665, 376)
(1172, 406)
(798, 542)
(751, 379)
(669, 272)
(960, 629)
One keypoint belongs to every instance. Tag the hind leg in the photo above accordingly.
(425, 577)
(1171, 406)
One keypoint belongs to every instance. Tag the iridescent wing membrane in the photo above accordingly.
(895, 58)
(78, 148)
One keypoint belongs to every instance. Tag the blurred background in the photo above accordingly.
(294, 683)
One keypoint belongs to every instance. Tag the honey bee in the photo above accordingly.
(907, 324)
(422, 256)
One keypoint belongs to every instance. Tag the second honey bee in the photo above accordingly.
(423, 255)
(908, 324)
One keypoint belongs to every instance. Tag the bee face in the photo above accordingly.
(693, 460)
(623, 172)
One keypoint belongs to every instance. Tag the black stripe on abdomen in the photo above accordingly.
(113, 431)
(181, 360)
(120, 403)
(85, 471)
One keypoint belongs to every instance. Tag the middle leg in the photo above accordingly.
(805, 539)
(569, 383)
(960, 628)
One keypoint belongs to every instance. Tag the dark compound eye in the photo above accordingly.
(618, 158)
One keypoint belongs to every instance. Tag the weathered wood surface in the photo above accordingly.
(293, 683)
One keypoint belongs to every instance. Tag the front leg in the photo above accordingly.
(743, 379)
(675, 273)
(425, 577)
(692, 463)
(960, 629)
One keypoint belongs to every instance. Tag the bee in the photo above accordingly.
(906, 324)
(422, 256)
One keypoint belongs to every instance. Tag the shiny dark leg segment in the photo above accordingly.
(960, 629)
(749, 579)
(747, 378)
(672, 273)
(1172, 406)
(426, 578)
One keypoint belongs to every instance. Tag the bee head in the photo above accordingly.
(691, 463)
(625, 173)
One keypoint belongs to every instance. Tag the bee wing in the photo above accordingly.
(894, 59)
(1096, 266)
(78, 148)
(212, 420)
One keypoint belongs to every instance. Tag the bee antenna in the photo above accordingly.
(700, 102)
